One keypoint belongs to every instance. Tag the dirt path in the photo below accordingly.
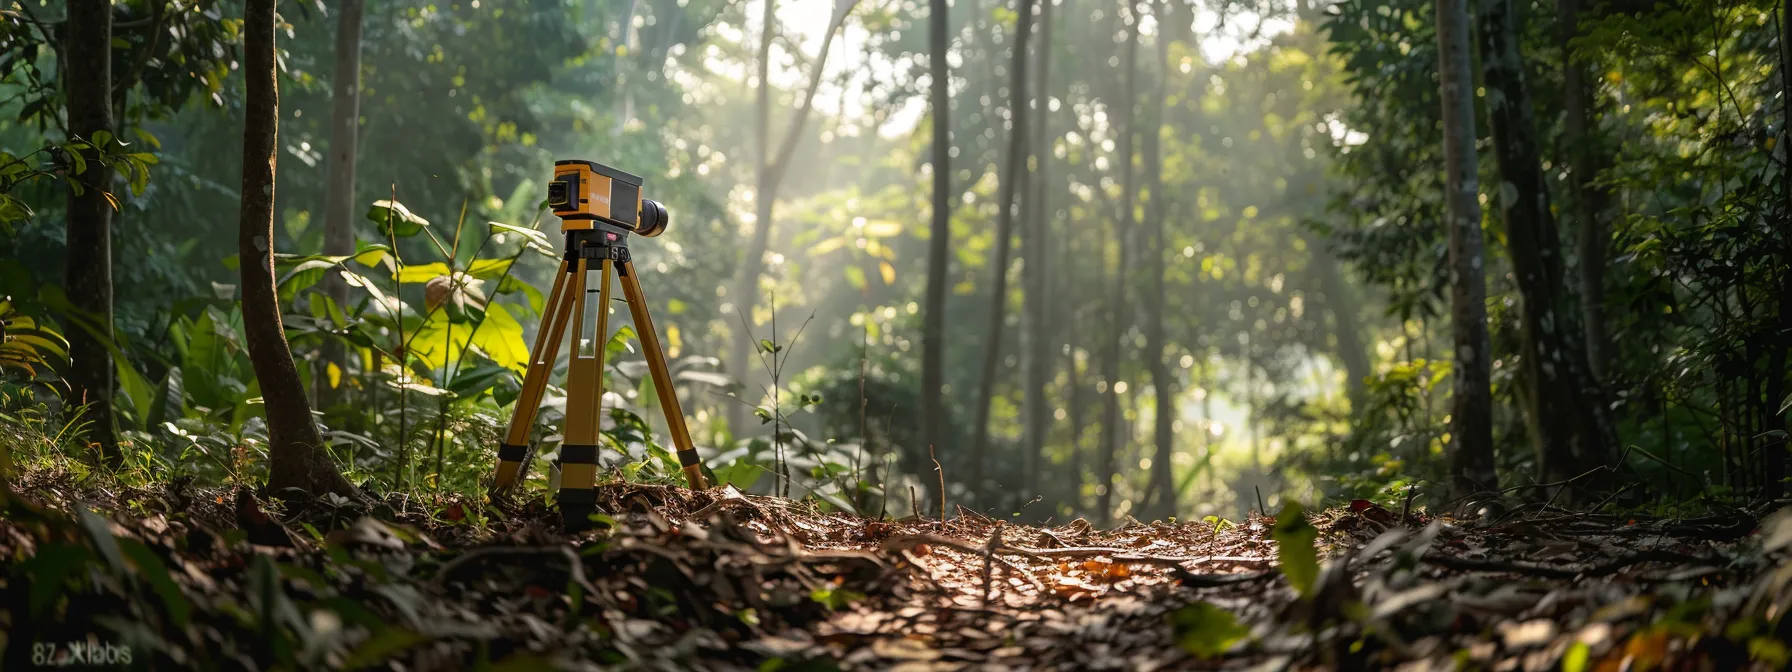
(205, 579)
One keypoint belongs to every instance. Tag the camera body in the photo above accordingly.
(585, 192)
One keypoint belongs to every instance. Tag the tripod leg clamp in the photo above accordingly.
(510, 452)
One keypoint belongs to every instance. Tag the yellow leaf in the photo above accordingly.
(335, 373)
(889, 272)
(882, 228)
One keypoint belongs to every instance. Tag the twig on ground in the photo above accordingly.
(1603, 569)
(941, 471)
(909, 541)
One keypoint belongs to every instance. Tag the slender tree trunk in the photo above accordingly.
(1110, 420)
(87, 47)
(625, 34)
(296, 454)
(1590, 200)
(741, 356)
(933, 330)
(1164, 398)
(770, 176)
(1012, 176)
(339, 188)
(1078, 414)
(1574, 434)
(1341, 302)
(1471, 411)
(1034, 277)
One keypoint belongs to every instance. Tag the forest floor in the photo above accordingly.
(216, 578)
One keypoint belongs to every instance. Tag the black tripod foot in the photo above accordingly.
(577, 506)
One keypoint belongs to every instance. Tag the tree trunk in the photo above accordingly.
(933, 328)
(339, 187)
(1341, 302)
(1164, 408)
(1110, 365)
(1037, 354)
(746, 367)
(88, 48)
(1573, 433)
(1590, 200)
(625, 96)
(1012, 176)
(296, 454)
(1471, 410)
(765, 194)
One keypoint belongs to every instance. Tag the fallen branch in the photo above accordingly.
(1603, 569)
(909, 541)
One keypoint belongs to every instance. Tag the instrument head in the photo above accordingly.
(584, 192)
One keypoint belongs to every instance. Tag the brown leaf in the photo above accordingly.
(905, 649)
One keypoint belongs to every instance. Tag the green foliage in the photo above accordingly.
(1205, 630)
(25, 345)
(1297, 549)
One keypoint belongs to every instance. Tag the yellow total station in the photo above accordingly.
(599, 207)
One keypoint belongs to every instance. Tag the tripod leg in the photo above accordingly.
(535, 380)
(662, 377)
(584, 398)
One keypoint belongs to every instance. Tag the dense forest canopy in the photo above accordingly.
(1189, 258)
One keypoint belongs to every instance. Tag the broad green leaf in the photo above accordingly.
(620, 341)
(411, 275)
(50, 569)
(152, 569)
(366, 255)
(742, 474)
(141, 394)
(170, 401)
(384, 306)
(704, 377)
(1206, 631)
(1297, 548)
(512, 284)
(536, 240)
(302, 277)
(500, 337)
(395, 220)
(438, 341)
(476, 380)
(100, 533)
(487, 269)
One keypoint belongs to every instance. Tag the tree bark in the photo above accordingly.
(1110, 365)
(339, 187)
(1012, 176)
(933, 329)
(1164, 402)
(87, 47)
(1341, 302)
(1573, 433)
(1471, 410)
(1037, 355)
(770, 176)
(1591, 200)
(296, 454)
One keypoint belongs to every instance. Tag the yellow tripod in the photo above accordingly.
(583, 194)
